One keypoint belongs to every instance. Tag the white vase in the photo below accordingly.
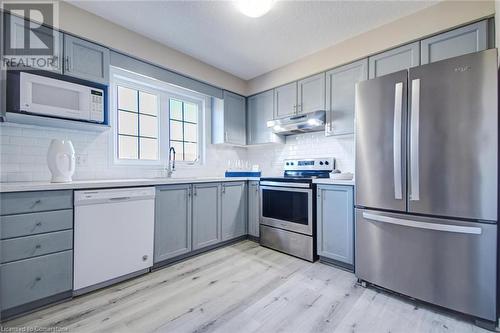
(61, 160)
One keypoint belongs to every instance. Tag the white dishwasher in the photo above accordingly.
(114, 234)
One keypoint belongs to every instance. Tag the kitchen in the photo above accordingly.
(149, 184)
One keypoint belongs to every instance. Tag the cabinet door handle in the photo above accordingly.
(195, 191)
(67, 63)
(36, 203)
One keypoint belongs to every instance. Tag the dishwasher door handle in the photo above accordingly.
(119, 198)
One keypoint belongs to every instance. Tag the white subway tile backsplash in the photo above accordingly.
(23, 151)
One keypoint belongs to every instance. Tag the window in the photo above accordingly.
(137, 122)
(150, 116)
(184, 129)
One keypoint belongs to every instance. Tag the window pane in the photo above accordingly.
(190, 132)
(190, 151)
(127, 123)
(191, 112)
(179, 152)
(149, 149)
(175, 109)
(175, 130)
(127, 99)
(147, 103)
(127, 147)
(148, 126)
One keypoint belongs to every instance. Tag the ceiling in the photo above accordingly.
(216, 33)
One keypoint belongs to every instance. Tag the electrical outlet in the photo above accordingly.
(82, 160)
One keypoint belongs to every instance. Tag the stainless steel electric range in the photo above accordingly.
(288, 207)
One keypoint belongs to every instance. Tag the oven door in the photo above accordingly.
(287, 208)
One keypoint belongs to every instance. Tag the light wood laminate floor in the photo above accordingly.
(244, 288)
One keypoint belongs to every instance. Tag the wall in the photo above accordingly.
(442, 16)
(93, 27)
(270, 158)
(23, 151)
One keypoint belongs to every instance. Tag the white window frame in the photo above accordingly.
(164, 91)
(200, 124)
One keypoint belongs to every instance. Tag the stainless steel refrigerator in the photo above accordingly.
(426, 183)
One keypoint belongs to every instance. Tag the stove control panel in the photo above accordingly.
(322, 163)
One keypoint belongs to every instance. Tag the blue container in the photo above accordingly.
(254, 174)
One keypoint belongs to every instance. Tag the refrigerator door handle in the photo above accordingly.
(398, 105)
(414, 138)
(423, 225)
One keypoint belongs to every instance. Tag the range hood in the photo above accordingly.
(297, 124)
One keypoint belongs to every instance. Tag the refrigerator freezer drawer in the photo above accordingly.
(448, 263)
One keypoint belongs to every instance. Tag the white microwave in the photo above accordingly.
(56, 98)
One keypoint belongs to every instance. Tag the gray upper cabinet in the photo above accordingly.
(86, 60)
(285, 100)
(172, 221)
(253, 208)
(52, 37)
(235, 114)
(468, 39)
(206, 215)
(340, 96)
(335, 209)
(234, 218)
(260, 109)
(311, 93)
(394, 60)
(229, 119)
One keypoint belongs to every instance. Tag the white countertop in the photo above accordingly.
(111, 183)
(329, 181)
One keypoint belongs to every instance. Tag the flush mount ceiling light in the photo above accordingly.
(254, 8)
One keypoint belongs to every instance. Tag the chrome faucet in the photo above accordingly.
(171, 163)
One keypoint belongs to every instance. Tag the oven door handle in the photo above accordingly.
(288, 189)
(284, 184)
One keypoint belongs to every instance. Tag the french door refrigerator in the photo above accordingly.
(426, 183)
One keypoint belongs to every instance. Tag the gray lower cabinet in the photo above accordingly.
(468, 39)
(172, 221)
(206, 215)
(335, 209)
(394, 60)
(86, 60)
(285, 100)
(36, 278)
(234, 218)
(311, 93)
(36, 247)
(260, 110)
(340, 96)
(253, 208)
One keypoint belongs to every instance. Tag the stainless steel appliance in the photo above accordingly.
(46, 96)
(288, 207)
(426, 183)
(296, 124)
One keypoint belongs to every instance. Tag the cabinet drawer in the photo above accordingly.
(35, 223)
(32, 246)
(32, 279)
(27, 202)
